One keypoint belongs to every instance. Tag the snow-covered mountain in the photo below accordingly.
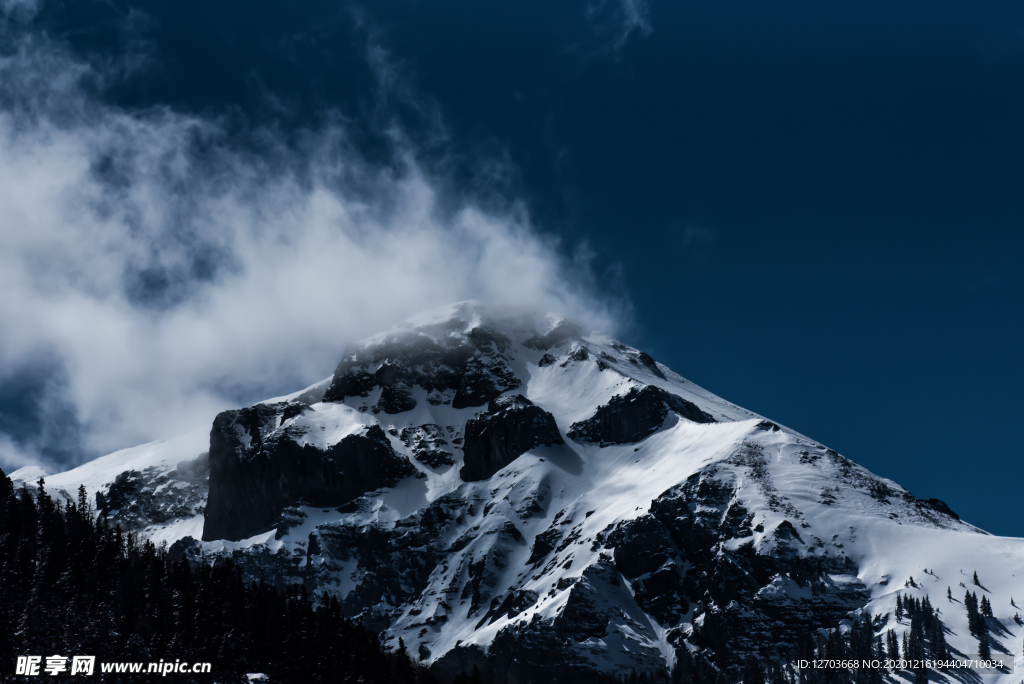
(497, 489)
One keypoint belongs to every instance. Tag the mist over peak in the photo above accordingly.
(159, 266)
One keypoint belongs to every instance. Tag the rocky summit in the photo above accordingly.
(498, 489)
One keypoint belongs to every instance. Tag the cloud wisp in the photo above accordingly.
(621, 19)
(161, 272)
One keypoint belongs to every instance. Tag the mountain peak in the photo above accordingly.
(495, 489)
(517, 323)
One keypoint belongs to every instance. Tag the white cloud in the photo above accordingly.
(635, 17)
(170, 273)
(14, 456)
(19, 9)
(625, 18)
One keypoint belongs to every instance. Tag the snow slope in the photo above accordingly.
(170, 475)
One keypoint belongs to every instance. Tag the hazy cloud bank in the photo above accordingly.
(159, 272)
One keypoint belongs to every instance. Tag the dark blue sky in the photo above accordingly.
(816, 208)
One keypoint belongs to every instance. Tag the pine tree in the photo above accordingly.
(971, 603)
(893, 646)
(984, 650)
(899, 608)
(685, 670)
(805, 652)
(982, 633)
(753, 672)
(403, 672)
(937, 639)
(976, 582)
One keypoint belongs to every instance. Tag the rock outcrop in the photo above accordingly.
(256, 470)
(696, 546)
(511, 426)
(427, 443)
(137, 499)
(468, 371)
(633, 416)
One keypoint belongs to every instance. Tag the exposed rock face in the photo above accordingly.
(137, 499)
(511, 427)
(645, 359)
(568, 649)
(751, 591)
(426, 443)
(394, 562)
(187, 548)
(939, 506)
(752, 594)
(633, 416)
(578, 352)
(257, 470)
(468, 371)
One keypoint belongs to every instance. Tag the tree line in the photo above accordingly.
(71, 584)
